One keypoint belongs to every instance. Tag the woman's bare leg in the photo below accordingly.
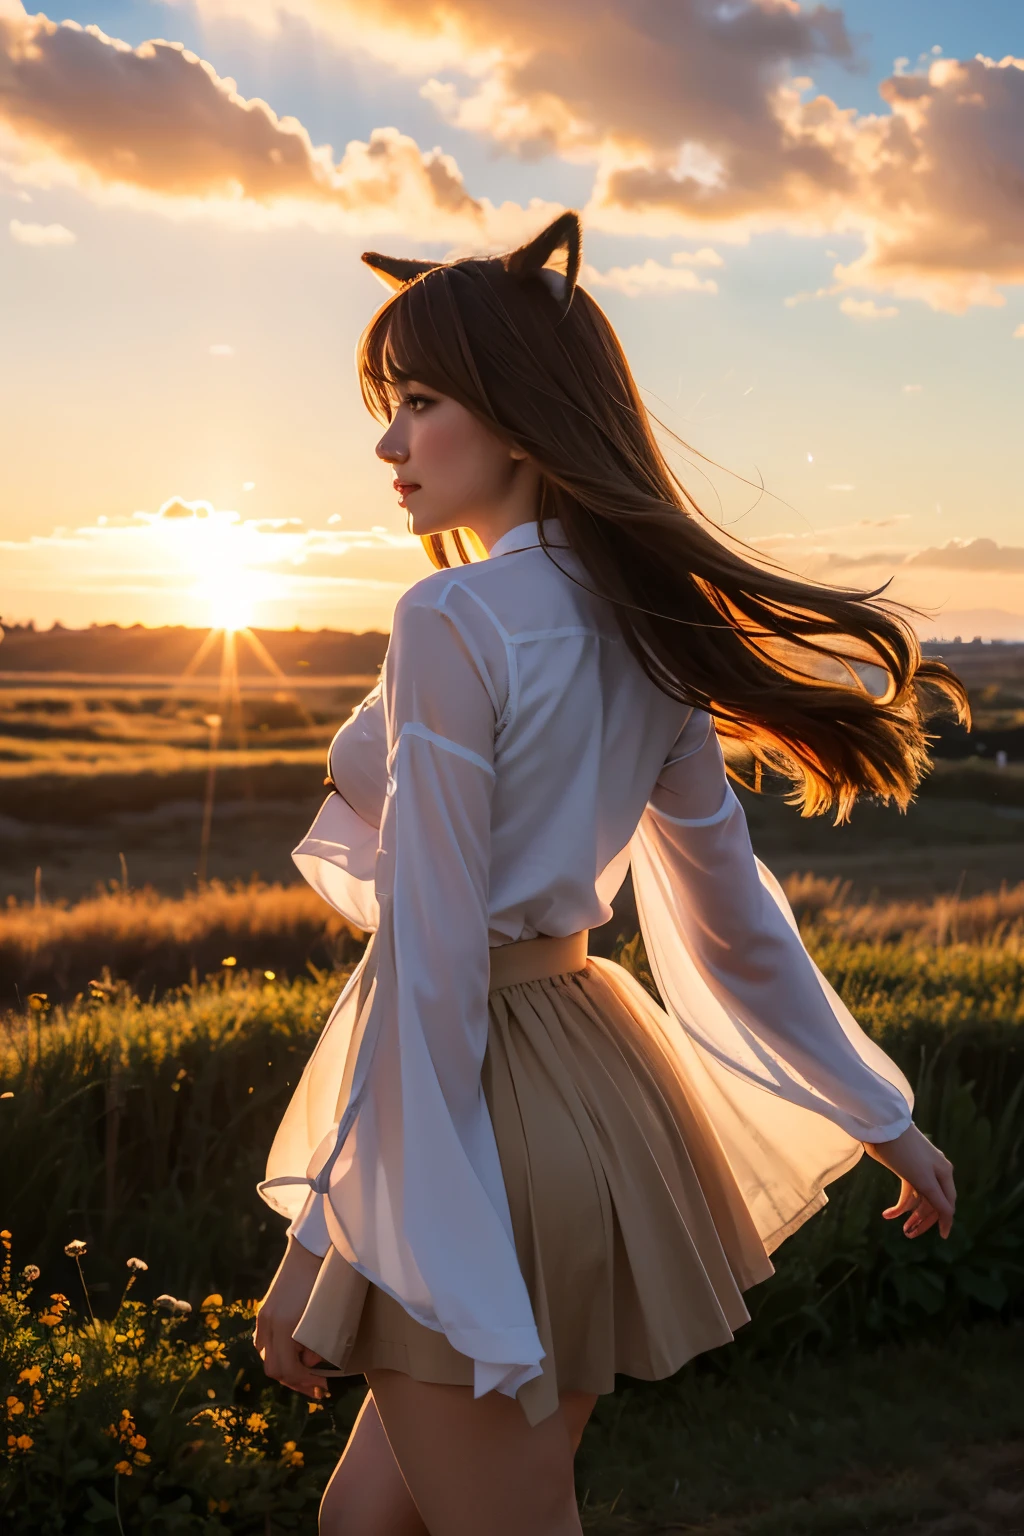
(367, 1494)
(474, 1466)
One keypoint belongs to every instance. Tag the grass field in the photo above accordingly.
(109, 766)
(875, 1390)
(153, 1032)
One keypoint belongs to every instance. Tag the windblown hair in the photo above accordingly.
(779, 662)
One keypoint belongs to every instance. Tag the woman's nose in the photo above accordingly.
(391, 450)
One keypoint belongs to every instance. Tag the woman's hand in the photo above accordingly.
(277, 1317)
(927, 1191)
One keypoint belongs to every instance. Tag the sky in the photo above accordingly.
(806, 223)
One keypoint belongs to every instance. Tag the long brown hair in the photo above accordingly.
(775, 659)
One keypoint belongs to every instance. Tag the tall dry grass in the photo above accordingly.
(154, 942)
(825, 907)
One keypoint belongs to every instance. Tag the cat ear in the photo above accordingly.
(395, 271)
(553, 256)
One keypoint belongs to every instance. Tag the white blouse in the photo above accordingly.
(512, 763)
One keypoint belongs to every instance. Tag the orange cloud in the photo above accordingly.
(157, 125)
(652, 277)
(696, 118)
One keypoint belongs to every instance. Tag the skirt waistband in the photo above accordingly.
(534, 959)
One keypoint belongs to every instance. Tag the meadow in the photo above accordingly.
(874, 1388)
(105, 756)
(152, 1026)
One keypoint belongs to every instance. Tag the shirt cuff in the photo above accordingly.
(310, 1226)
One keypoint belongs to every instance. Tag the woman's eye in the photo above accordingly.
(416, 402)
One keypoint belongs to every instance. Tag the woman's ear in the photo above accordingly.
(553, 256)
(395, 271)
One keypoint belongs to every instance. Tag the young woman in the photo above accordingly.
(509, 1173)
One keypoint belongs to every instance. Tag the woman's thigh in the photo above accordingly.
(369, 1496)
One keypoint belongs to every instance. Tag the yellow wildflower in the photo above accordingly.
(256, 1423)
(24, 1442)
(141, 1459)
(213, 1300)
(291, 1456)
(124, 1467)
(31, 1374)
(14, 1407)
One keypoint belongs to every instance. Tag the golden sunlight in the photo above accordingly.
(233, 607)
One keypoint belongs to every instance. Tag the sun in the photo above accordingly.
(231, 595)
(232, 607)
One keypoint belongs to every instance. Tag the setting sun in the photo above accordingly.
(233, 607)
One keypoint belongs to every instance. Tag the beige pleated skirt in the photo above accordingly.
(633, 1238)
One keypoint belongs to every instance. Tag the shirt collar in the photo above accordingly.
(527, 536)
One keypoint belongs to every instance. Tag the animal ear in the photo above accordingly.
(553, 256)
(395, 271)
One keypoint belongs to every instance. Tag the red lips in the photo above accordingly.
(404, 486)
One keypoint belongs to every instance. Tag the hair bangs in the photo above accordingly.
(414, 335)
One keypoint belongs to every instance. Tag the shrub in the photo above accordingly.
(158, 1419)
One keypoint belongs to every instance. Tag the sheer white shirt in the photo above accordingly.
(497, 784)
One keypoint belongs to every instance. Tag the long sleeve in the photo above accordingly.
(765, 1024)
(414, 1193)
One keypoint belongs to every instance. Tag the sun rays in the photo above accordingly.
(227, 721)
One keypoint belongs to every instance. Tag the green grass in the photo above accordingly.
(858, 1443)
(157, 1422)
(147, 1125)
(875, 1389)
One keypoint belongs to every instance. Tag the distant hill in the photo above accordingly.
(990, 623)
(109, 649)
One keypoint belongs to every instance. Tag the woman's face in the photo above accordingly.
(450, 470)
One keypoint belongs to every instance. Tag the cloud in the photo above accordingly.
(867, 309)
(972, 555)
(168, 565)
(933, 186)
(964, 555)
(700, 116)
(41, 234)
(156, 126)
(705, 257)
(649, 277)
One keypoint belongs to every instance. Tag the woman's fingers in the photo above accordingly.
(906, 1202)
(943, 1200)
(927, 1192)
(923, 1217)
(924, 1208)
(283, 1361)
